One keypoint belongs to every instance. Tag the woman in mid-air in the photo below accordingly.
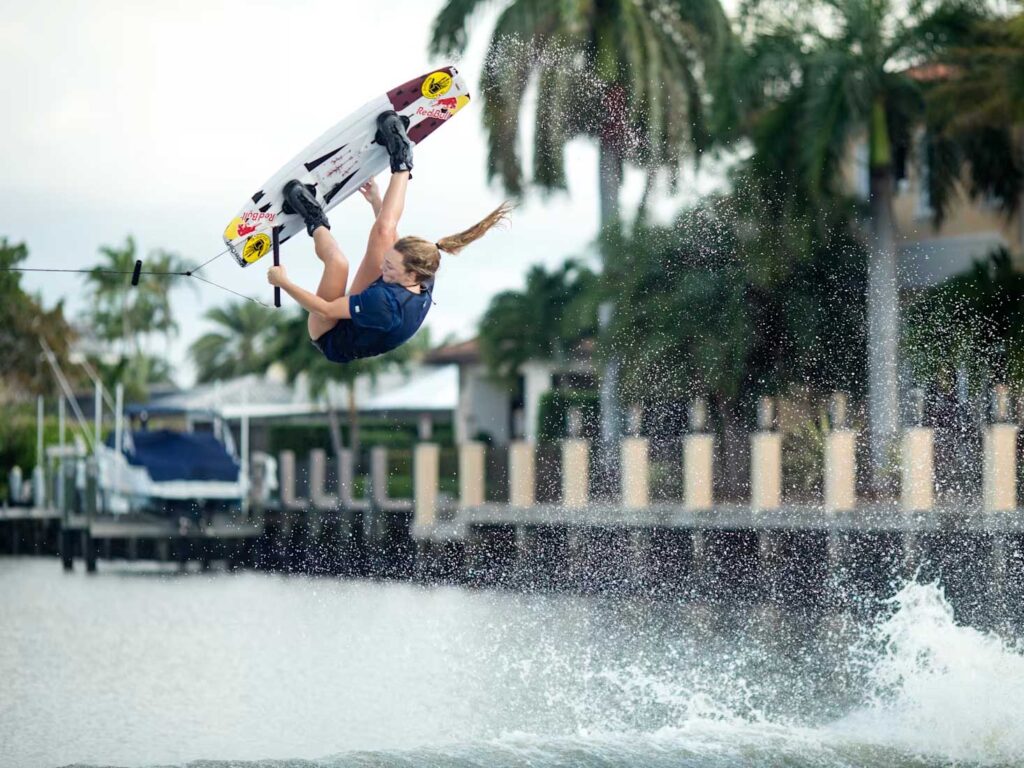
(390, 295)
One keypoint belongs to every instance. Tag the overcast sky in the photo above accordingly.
(157, 119)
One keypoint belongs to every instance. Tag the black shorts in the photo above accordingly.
(336, 344)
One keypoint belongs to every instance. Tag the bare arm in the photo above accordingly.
(338, 309)
(384, 233)
(372, 194)
(394, 200)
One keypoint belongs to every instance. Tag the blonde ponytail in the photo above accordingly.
(455, 243)
(423, 257)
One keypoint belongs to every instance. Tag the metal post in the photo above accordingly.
(118, 434)
(609, 385)
(39, 474)
(276, 235)
(61, 491)
(39, 432)
(98, 416)
(244, 451)
(119, 417)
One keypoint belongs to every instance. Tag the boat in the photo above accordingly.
(171, 472)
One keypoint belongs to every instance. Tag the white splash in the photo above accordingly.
(939, 688)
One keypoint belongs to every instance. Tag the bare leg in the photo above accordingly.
(334, 281)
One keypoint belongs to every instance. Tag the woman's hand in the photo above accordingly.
(370, 191)
(276, 276)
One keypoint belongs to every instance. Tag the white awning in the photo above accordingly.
(421, 388)
(436, 390)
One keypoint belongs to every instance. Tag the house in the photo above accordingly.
(499, 414)
(971, 229)
(264, 399)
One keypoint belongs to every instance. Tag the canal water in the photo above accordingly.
(141, 667)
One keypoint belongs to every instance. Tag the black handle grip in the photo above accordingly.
(277, 262)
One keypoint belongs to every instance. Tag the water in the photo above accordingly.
(138, 667)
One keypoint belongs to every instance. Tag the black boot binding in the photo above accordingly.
(392, 136)
(300, 199)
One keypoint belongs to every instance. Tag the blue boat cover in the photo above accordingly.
(169, 455)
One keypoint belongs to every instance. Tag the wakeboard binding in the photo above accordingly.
(301, 199)
(392, 136)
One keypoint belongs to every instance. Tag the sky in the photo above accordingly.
(156, 120)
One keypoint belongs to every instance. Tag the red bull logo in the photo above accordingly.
(441, 109)
(251, 220)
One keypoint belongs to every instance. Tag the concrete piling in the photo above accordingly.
(765, 460)
(635, 473)
(380, 500)
(522, 468)
(472, 476)
(999, 465)
(575, 465)
(287, 482)
(426, 471)
(917, 489)
(698, 460)
(318, 480)
(840, 459)
(635, 464)
(346, 482)
(575, 473)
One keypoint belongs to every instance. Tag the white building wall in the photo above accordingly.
(537, 378)
(483, 407)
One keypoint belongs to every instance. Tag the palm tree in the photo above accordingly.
(628, 73)
(23, 320)
(976, 115)
(239, 345)
(540, 321)
(813, 83)
(123, 315)
(987, 84)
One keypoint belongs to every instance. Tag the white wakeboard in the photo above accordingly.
(343, 159)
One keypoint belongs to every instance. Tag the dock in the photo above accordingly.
(523, 521)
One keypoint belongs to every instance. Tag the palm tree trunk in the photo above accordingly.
(353, 421)
(641, 210)
(1018, 135)
(610, 184)
(883, 328)
(334, 426)
(609, 181)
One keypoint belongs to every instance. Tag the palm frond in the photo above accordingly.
(549, 131)
(451, 26)
(510, 64)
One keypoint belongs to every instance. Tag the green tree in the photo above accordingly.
(817, 76)
(123, 316)
(973, 322)
(554, 310)
(631, 74)
(976, 117)
(240, 344)
(628, 74)
(23, 321)
(729, 303)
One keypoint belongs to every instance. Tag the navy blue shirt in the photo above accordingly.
(384, 316)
